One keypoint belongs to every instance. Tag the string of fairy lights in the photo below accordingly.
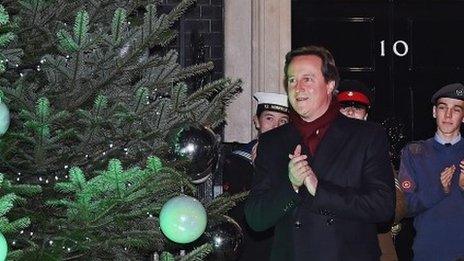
(57, 177)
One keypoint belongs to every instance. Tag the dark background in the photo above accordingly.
(201, 35)
(404, 83)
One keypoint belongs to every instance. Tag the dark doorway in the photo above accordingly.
(404, 50)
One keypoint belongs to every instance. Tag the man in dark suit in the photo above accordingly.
(323, 180)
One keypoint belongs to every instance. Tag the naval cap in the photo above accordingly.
(269, 101)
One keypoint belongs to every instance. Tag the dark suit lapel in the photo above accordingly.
(331, 145)
(293, 139)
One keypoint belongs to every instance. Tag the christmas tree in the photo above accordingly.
(95, 96)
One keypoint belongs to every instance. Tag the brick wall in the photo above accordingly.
(201, 34)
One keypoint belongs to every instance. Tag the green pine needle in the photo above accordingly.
(43, 108)
(100, 103)
(154, 164)
(198, 253)
(6, 203)
(66, 42)
(117, 25)
(166, 256)
(6, 38)
(4, 17)
(81, 27)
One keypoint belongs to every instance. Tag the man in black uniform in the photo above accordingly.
(272, 111)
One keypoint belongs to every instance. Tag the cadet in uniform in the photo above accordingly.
(355, 100)
(271, 112)
(432, 178)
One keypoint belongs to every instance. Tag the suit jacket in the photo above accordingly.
(355, 191)
(237, 177)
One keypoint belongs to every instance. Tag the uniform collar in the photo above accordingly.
(440, 140)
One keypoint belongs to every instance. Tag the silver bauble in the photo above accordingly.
(198, 147)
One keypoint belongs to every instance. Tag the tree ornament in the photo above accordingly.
(226, 238)
(4, 118)
(183, 219)
(197, 145)
(3, 247)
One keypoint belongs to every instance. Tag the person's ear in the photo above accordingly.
(331, 87)
(365, 116)
(434, 112)
(256, 122)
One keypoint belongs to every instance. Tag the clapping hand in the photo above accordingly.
(300, 172)
(298, 168)
(445, 177)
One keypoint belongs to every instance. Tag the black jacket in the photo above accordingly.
(237, 177)
(355, 191)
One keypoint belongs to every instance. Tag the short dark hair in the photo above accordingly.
(329, 69)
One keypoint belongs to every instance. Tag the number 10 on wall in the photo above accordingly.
(400, 44)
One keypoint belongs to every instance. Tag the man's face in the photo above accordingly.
(269, 120)
(449, 114)
(308, 92)
(353, 110)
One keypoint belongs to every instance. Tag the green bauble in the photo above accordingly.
(4, 118)
(183, 219)
(3, 247)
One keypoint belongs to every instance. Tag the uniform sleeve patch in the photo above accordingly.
(407, 185)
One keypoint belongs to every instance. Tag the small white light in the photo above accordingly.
(104, 153)
(40, 179)
(111, 145)
(65, 166)
(56, 178)
(32, 233)
(50, 242)
(21, 232)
